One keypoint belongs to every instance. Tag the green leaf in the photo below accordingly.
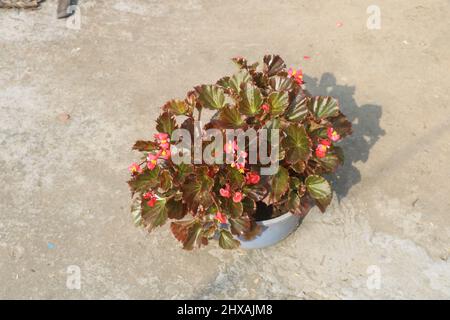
(298, 107)
(230, 117)
(278, 101)
(189, 124)
(177, 107)
(332, 159)
(260, 79)
(318, 187)
(324, 107)
(166, 123)
(188, 232)
(233, 209)
(249, 205)
(297, 204)
(182, 170)
(165, 180)
(281, 83)
(224, 82)
(197, 188)
(323, 203)
(211, 96)
(256, 192)
(294, 183)
(235, 177)
(136, 211)
(234, 83)
(142, 145)
(280, 184)
(180, 229)
(251, 100)
(294, 202)
(240, 225)
(144, 181)
(226, 240)
(238, 79)
(175, 209)
(273, 64)
(297, 144)
(154, 216)
(299, 166)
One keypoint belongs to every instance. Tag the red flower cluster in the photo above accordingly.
(227, 193)
(164, 152)
(151, 197)
(324, 144)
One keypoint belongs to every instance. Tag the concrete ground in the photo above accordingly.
(64, 203)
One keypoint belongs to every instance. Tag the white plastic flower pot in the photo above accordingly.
(274, 230)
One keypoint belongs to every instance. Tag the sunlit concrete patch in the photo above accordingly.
(32, 25)
(143, 8)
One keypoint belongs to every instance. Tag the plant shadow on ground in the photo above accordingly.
(366, 129)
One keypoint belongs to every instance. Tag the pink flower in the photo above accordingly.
(240, 166)
(297, 75)
(333, 135)
(265, 108)
(321, 151)
(225, 192)
(325, 142)
(237, 197)
(221, 217)
(161, 136)
(148, 195)
(165, 145)
(252, 178)
(152, 161)
(165, 154)
(151, 202)
(151, 197)
(322, 148)
(163, 140)
(134, 168)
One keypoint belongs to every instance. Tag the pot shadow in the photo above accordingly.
(366, 129)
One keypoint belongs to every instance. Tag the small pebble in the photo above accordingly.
(64, 117)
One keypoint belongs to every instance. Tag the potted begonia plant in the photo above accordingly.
(232, 199)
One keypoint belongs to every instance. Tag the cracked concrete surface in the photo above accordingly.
(64, 200)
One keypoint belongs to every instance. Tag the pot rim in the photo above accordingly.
(281, 218)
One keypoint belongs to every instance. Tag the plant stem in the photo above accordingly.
(199, 114)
